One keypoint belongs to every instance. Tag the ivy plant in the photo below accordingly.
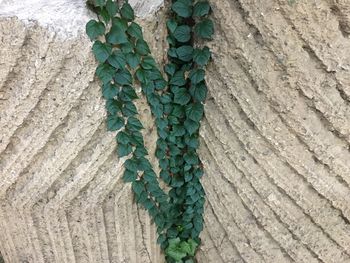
(176, 102)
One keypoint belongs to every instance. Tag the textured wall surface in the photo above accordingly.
(275, 142)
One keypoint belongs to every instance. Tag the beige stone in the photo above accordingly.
(275, 141)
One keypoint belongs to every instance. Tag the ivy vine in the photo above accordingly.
(176, 102)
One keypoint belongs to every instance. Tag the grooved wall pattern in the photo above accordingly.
(275, 142)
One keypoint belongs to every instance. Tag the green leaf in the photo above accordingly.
(127, 47)
(199, 91)
(198, 223)
(113, 106)
(95, 29)
(171, 40)
(172, 119)
(140, 151)
(153, 212)
(105, 73)
(138, 187)
(161, 239)
(112, 7)
(150, 177)
(129, 176)
(117, 59)
(129, 109)
(191, 158)
(188, 176)
(182, 96)
(134, 124)
(178, 111)
(204, 29)
(161, 144)
(182, 8)
(161, 123)
(154, 74)
(131, 165)
(159, 220)
(163, 163)
(201, 56)
(190, 191)
(148, 89)
(171, 24)
(166, 98)
(178, 79)
(178, 130)
(172, 52)
(192, 142)
(191, 126)
(142, 47)
(185, 247)
(123, 77)
(120, 22)
(187, 167)
(171, 138)
(114, 122)
(160, 84)
(124, 150)
(198, 173)
(105, 16)
(109, 91)
(170, 69)
(148, 62)
(197, 75)
(182, 33)
(144, 164)
(201, 8)
(135, 31)
(141, 75)
(141, 198)
(128, 93)
(195, 111)
(133, 60)
(116, 35)
(148, 204)
(127, 12)
(101, 51)
(193, 246)
(153, 99)
(185, 53)
(165, 176)
(123, 138)
(174, 251)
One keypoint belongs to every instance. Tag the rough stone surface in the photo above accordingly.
(275, 142)
(66, 18)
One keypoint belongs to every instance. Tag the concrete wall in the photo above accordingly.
(275, 139)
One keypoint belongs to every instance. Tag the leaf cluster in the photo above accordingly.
(176, 102)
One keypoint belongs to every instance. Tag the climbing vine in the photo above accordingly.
(176, 102)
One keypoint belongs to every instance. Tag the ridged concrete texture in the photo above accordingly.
(275, 142)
